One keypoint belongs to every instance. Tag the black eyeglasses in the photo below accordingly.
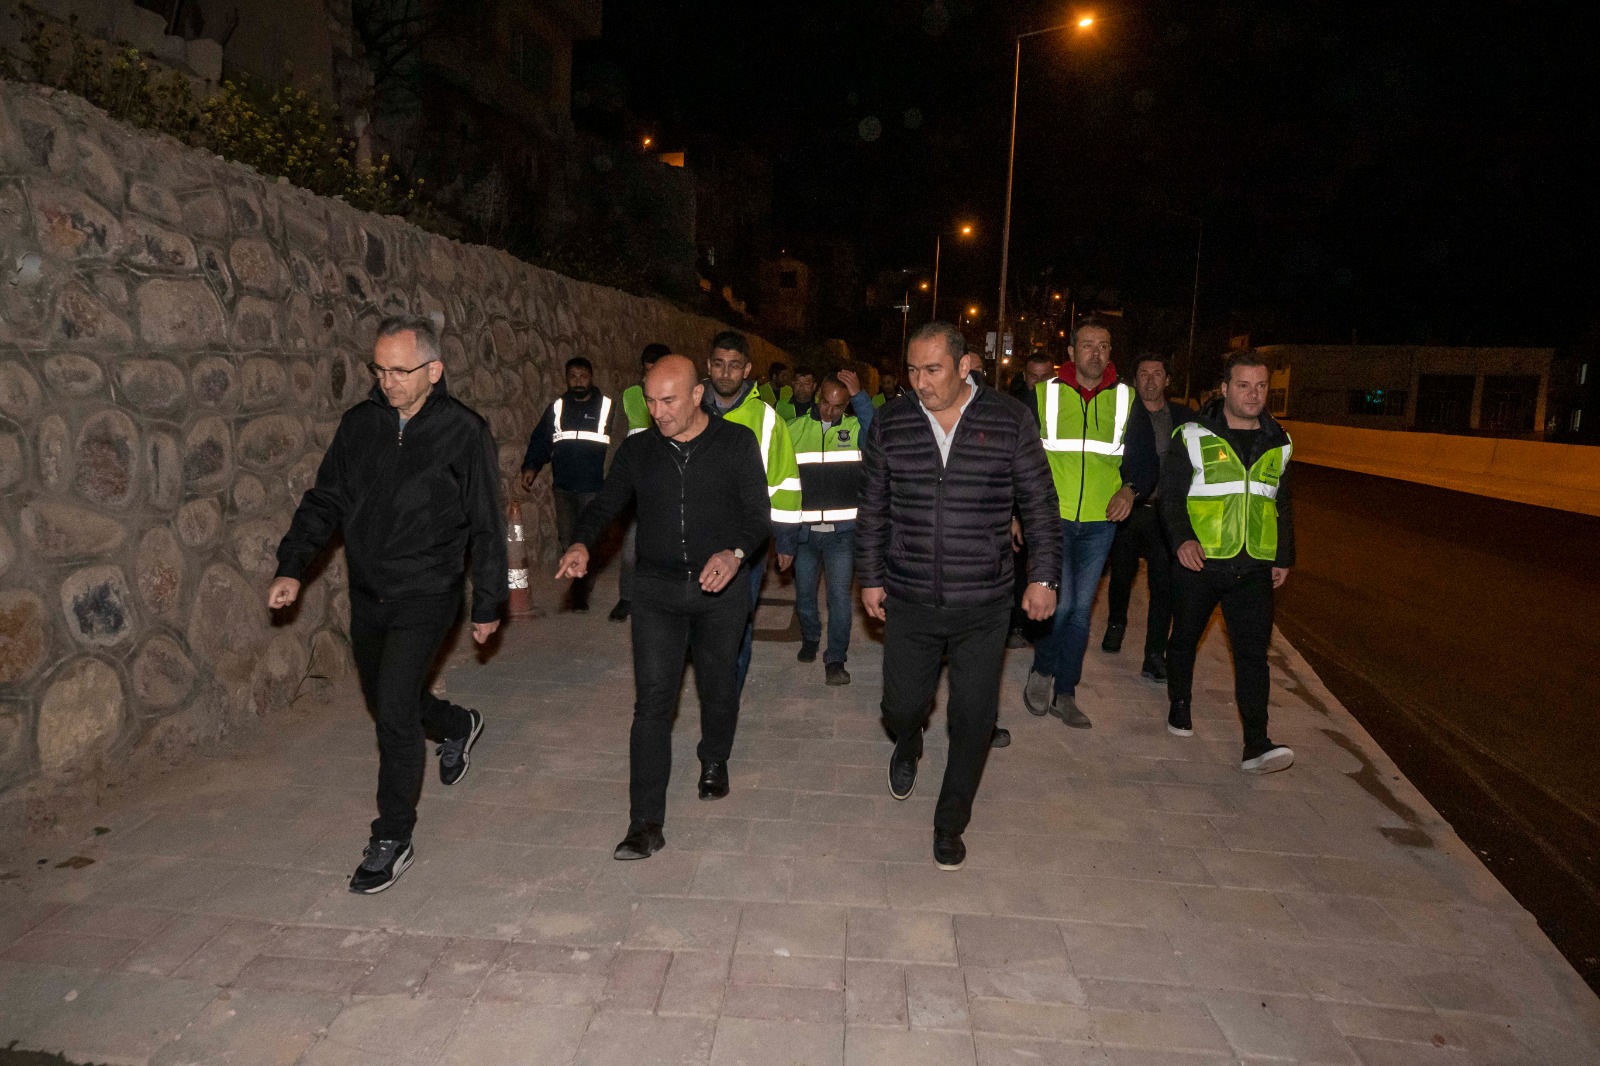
(384, 373)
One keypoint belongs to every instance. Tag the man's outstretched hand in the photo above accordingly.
(282, 592)
(573, 564)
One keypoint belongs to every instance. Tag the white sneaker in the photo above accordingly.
(1273, 759)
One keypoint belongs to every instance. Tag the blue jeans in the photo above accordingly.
(834, 553)
(758, 574)
(1084, 547)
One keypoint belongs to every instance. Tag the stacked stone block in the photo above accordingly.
(178, 339)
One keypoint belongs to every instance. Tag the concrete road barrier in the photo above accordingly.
(1562, 476)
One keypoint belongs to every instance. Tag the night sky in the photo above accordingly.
(1421, 172)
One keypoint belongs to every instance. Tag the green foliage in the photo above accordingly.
(282, 132)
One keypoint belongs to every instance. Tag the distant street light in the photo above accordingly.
(966, 231)
(1083, 23)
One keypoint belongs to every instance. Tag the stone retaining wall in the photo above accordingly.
(178, 338)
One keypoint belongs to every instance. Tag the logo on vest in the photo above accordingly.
(844, 436)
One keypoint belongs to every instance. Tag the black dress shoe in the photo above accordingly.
(1155, 669)
(808, 651)
(1113, 641)
(1017, 639)
(948, 851)
(903, 767)
(620, 612)
(1000, 738)
(713, 780)
(644, 839)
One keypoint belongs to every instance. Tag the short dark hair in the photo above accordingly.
(653, 354)
(1152, 357)
(418, 325)
(800, 371)
(581, 363)
(1090, 322)
(1239, 359)
(731, 340)
(954, 343)
(828, 379)
(1041, 357)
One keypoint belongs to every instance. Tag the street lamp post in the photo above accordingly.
(1011, 170)
(938, 239)
(1194, 297)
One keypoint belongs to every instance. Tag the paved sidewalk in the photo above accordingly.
(1129, 897)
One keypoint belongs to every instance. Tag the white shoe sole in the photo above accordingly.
(1271, 762)
(401, 865)
(1175, 731)
(949, 866)
(466, 752)
(890, 778)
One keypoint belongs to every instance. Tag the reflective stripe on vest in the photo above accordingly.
(1230, 510)
(843, 514)
(1052, 422)
(840, 456)
(575, 434)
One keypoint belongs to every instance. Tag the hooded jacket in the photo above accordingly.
(940, 535)
(412, 504)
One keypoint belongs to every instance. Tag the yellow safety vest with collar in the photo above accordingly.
(830, 468)
(636, 409)
(601, 436)
(1084, 441)
(777, 455)
(1232, 508)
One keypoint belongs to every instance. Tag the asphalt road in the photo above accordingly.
(1464, 634)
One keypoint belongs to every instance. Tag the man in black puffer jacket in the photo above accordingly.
(943, 469)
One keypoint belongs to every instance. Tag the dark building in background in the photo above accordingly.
(1492, 392)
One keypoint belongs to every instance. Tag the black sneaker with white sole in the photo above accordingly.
(948, 851)
(1179, 722)
(381, 866)
(455, 755)
(1271, 759)
(903, 767)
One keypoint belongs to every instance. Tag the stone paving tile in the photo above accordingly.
(1130, 899)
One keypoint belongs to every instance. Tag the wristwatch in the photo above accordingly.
(738, 553)
(1053, 586)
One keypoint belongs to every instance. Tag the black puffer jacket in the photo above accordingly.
(941, 535)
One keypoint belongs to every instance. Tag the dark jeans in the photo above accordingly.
(1246, 598)
(1084, 547)
(1142, 537)
(569, 505)
(756, 568)
(394, 644)
(974, 640)
(672, 619)
(833, 553)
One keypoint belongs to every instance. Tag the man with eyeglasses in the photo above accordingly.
(412, 481)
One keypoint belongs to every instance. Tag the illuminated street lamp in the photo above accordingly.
(1083, 22)
(964, 230)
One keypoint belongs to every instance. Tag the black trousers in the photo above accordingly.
(1246, 599)
(671, 619)
(974, 640)
(1141, 536)
(569, 505)
(394, 644)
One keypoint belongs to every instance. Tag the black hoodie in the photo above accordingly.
(1178, 472)
(411, 503)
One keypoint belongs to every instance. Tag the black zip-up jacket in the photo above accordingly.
(1142, 446)
(689, 510)
(575, 465)
(940, 535)
(411, 503)
(1177, 473)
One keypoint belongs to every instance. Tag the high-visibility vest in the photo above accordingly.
(1084, 441)
(636, 409)
(603, 436)
(771, 398)
(830, 467)
(1232, 508)
(777, 455)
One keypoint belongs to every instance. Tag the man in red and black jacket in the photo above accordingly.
(943, 468)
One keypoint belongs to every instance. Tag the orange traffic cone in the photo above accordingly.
(520, 604)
